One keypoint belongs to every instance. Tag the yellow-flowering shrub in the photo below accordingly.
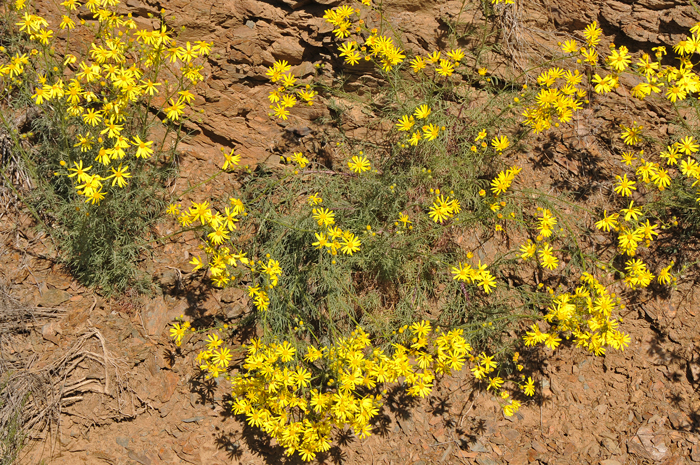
(586, 315)
(299, 396)
(103, 98)
(372, 240)
(104, 87)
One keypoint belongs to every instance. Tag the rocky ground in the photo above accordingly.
(138, 399)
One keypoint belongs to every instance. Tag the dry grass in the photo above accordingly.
(34, 391)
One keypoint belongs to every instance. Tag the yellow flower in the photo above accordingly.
(487, 281)
(150, 87)
(628, 158)
(446, 68)
(120, 176)
(547, 259)
(629, 240)
(665, 276)
(441, 210)
(648, 230)
(625, 186)
(608, 222)
(80, 172)
(687, 145)
(218, 236)
(314, 199)
(619, 59)
(631, 135)
(603, 85)
(430, 131)
(422, 112)
(350, 244)
(417, 64)
(175, 109)
(500, 144)
(495, 383)
(359, 164)
(464, 272)
(285, 352)
(456, 54)
(281, 111)
(592, 34)
(323, 216)
(197, 262)
(222, 357)
(144, 149)
(512, 408)
(434, 57)
(405, 123)
(528, 250)
(173, 209)
(200, 211)
(552, 341)
(231, 160)
(321, 241)
(66, 23)
(631, 212)
(177, 332)
(570, 46)
(313, 354)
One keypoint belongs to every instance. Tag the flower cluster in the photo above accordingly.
(464, 272)
(651, 173)
(681, 82)
(557, 100)
(299, 400)
(541, 247)
(288, 92)
(225, 263)
(215, 359)
(101, 94)
(585, 315)
(430, 130)
(331, 238)
(501, 183)
(443, 208)
(442, 65)
(633, 229)
(367, 44)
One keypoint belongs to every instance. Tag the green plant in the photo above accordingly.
(100, 180)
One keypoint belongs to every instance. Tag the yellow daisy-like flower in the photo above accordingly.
(177, 332)
(422, 112)
(501, 143)
(415, 138)
(430, 131)
(143, 148)
(405, 123)
(625, 186)
(359, 164)
(324, 216)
